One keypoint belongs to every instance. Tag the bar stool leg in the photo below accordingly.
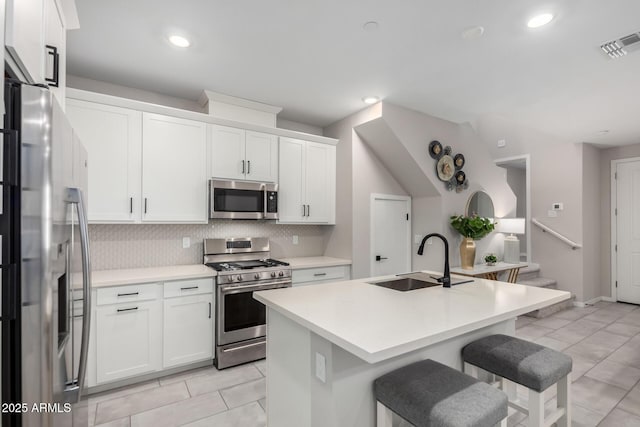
(384, 416)
(470, 370)
(536, 409)
(564, 400)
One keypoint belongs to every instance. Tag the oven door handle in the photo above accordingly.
(263, 287)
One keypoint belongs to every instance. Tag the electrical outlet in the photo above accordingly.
(321, 367)
(186, 243)
(558, 206)
(502, 143)
(552, 214)
(417, 239)
(295, 240)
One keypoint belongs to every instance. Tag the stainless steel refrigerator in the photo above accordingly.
(45, 308)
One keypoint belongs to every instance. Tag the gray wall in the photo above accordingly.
(591, 201)
(606, 156)
(556, 176)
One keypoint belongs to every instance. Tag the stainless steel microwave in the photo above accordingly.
(242, 200)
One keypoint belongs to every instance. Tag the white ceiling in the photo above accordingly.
(314, 59)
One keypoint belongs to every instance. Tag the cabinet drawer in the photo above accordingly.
(131, 293)
(188, 287)
(319, 274)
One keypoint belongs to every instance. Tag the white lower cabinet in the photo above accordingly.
(136, 331)
(128, 340)
(188, 330)
(314, 276)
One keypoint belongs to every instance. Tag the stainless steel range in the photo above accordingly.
(244, 265)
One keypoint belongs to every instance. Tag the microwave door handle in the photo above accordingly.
(74, 390)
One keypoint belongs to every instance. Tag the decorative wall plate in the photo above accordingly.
(445, 168)
(435, 150)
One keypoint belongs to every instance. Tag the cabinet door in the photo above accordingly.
(128, 340)
(24, 37)
(262, 157)
(55, 36)
(319, 181)
(291, 180)
(112, 137)
(188, 329)
(174, 170)
(228, 153)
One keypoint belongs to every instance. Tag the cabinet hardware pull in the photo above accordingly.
(209, 310)
(145, 205)
(243, 166)
(130, 204)
(128, 294)
(304, 210)
(320, 274)
(308, 210)
(55, 79)
(189, 288)
(248, 167)
(120, 310)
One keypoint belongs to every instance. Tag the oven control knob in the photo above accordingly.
(239, 278)
(256, 276)
(273, 274)
(229, 279)
(280, 273)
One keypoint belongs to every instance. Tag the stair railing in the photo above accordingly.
(564, 239)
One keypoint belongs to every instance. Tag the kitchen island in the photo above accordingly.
(327, 343)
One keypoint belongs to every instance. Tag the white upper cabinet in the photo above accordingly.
(307, 180)
(244, 155)
(112, 137)
(262, 157)
(174, 170)
(24, 37)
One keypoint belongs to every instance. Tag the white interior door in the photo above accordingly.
(390, 234)
(628, 231)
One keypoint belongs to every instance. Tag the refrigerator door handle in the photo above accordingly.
(74, 390)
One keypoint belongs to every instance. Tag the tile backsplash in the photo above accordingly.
(153, 245)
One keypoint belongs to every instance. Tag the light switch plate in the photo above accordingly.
(186, 243)
(295, 240)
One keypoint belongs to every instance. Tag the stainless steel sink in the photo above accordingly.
(413, 281)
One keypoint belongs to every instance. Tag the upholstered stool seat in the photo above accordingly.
(529, 364)
(428, 393)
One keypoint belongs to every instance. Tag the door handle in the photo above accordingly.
(55, 78)
(130, 205)
(304, 210)
(308, 210)
(380, 258)
(243, 166)
(74, 196)
(145, 205)
(209, 310)
(248, 167)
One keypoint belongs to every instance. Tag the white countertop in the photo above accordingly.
(375, 323)
(131, 276)
(315, 262)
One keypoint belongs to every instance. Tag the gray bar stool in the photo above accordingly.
(428, 393)
(517, 361)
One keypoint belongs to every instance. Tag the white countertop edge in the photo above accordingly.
(136, 276)
(398, 350)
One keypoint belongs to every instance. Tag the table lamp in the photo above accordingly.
(511, 243)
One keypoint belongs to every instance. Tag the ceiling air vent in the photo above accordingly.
(618, 48)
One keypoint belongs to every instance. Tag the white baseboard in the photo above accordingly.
(583, 304)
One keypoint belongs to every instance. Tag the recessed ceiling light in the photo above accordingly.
(540, 20)
(370, 99)
(473, 33)
(179, 41)
(371, 26)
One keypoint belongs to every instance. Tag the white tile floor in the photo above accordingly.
(603, 340)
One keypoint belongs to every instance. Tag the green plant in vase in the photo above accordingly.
(471, 228)
(491, 259)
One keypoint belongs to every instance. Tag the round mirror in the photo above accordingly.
(480, 204)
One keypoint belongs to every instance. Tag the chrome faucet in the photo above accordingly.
(446, 278)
